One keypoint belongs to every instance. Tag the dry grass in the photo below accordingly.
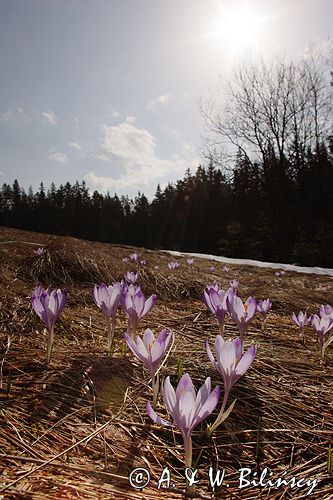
(77, 428)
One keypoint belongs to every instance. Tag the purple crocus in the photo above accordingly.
(322, 325)
(215, 299)
(143, 262)
(131, 277)
(173, 265)
(125, 259)
(226, 269)
(242, 314)
(108, 298)
(301, 319)
(325, 310)
(212, 269)
(231, 364)
(134, 257)
(189, 261)
(187, 408)
(39, 251)
(150, 350)
(263, 307)
(49, 305)
(136, 306)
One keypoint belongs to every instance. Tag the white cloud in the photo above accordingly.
(132, 150)
(50, 117)
(137, 177)
(114, 114)
(57, 156)
(130, 119)
(159, 102)
(75, 145)
(128, 143)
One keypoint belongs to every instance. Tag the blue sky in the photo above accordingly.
(108, 90)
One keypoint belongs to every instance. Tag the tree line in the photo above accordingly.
(288, 220)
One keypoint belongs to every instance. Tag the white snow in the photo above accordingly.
(256, 263)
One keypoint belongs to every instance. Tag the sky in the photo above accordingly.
(108, 91)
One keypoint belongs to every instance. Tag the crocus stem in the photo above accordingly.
(133, 331)
(188, 460)
(188, 450)
(155, 384)
(222, 329)
(49, 345)
(263, 324)
(217, 422)
(111, 328)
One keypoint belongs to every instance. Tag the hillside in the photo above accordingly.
(77, 428)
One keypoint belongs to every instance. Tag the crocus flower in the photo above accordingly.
(189, 261)
(132, 277)
(150, 350)
(263, 307)
(325, 310)
(49, 305)
(136, 306)
(242, 314)
(301, 320)
(39, 251)
(134, 256)
(215, 299)
(156, 267)
(212, 269)
(173, 265)
(187, 408)
(143, 262)
(226, 269)
(125, 259)
(231, 364)
(322, 325)
(107, 298)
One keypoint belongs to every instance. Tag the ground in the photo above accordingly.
(78, 427)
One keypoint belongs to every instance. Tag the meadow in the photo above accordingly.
(78, 426)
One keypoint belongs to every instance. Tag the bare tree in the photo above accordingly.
(270, 108)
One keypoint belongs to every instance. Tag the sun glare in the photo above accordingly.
(239, 28)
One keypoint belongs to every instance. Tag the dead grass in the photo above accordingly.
(77, 428)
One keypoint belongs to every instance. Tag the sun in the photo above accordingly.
(238, 26)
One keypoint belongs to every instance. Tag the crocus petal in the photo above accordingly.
(210, 354)
(186, 409)
(148, 338)
(203, 393)
(149, 304)
(207, 408)
(139, 350)
(155, 418)
(169, 396)
(246, 361)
